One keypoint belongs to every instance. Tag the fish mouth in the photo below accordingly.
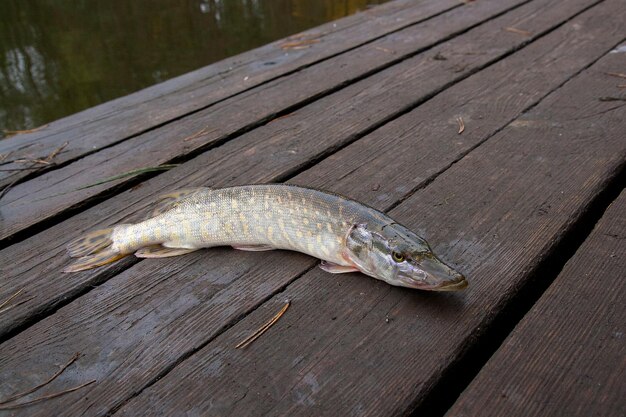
(453, 286)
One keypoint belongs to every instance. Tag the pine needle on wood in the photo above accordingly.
(461, 125)
(45, 397)
(52, 378)
(254, 336)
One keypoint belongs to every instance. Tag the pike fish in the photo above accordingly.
(346, 235)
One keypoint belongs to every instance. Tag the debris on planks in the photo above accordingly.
(48, 160)
(389, 51)
(461, 123)
(8, 300)
(518, 31)
(164, 167)
(300, 43)
(4, 403)
(616, 74)
(45, 397)
(201, 132)
(254, 336)
(9, 133)
(608, 98)
(52, 378)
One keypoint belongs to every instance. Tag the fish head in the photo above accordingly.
(394, 254)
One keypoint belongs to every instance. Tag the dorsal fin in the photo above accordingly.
(167, 201)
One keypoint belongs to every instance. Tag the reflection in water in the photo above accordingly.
(59, 57)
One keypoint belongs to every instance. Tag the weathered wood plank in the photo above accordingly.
(351, 346)
(49, 195)
(567, 356)
(278, 149)
(130, 345)
(131, 115)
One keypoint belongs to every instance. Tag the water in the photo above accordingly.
(59, 57)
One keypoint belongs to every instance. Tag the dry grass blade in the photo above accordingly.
(45, 397)
(518, 31)
(130, 174)
(616, 74)
(199, 133)
(16, 304)
(8, 300)
(9, 133)
(304, 43)
(459, 120)
(52, 378)
(254, 336)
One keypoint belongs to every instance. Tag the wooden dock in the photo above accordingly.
(496, 129)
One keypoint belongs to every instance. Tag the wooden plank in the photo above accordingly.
(277, 150)
(120, 119)
(567, 356)
(354, 346)
(53, 193)
(181, 306)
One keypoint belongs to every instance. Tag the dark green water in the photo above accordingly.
(58, 57)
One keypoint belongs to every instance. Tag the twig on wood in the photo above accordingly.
(164, 167)
(9, 133)
(52, 378)
(616, 74)
(518, 31)
(612, 98)
(18, 169)
(461, 125)
(621, 86)
(8, 187)
(55, 152)
(8, 300)
(284, 116)
(45, 397)
(16, 304)
(34, 162)
(254, 336)
(389, 51)
(301, 44)
(196, 135)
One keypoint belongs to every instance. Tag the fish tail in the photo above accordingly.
(93, 250)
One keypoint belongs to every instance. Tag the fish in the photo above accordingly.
(346, 235)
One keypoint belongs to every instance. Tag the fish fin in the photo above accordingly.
(334, 268)
(158, 251)
(90, 243)
(168, 201)
(100, 258)
(253, 248)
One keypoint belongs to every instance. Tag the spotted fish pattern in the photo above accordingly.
(251, 217)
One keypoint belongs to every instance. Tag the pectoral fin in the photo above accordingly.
(336, 268)
(158, 251)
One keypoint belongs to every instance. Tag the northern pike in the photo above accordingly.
(346, 235)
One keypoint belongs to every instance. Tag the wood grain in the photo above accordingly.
(354, 346)
(120, 119)
(567, 356)
(274, 151)
(49, 195)
(134, 331)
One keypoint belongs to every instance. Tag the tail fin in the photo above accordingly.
(93, 250)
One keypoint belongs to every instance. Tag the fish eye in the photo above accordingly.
(397, 256)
